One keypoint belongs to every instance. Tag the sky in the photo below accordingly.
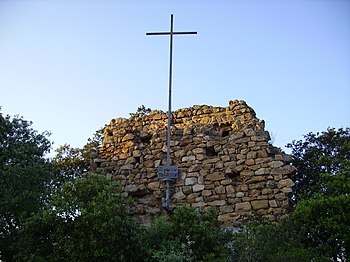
(72, 66)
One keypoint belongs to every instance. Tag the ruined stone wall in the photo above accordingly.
(223, 154)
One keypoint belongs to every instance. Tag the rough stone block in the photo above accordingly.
(226, 182)
(131, 188)
(220, 190)
(267, 191)
(252, 155)
(280, 196)
(225, 158)
(187, 190)
(127, 167)
(285, 183)
(128, 137)
(256, 179)
(206, 192)
(262, 153)
(194, 168)
(180, 153)
(226, 209)
(217, 203)
(249, 162)
(188, 158)
(198, 151)
(230, 189)
(226, 218)
(231, 164)
(148, 163)
(245, 206)
(193, 195)
(190, 181)
(199, 204)
(276, 164)
(192, 174)
(287, 190)
(219, 165)
(283, 170)
(262, 171)
(239, 194)
(260, 204)
(197, 188)
(200, 157)
(215, 176)
(247, 173)
(273, 203)
(179, 195)
(153, 186)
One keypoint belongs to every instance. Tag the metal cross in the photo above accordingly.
(169, 173)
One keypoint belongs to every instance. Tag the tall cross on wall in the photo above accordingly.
(169, 173)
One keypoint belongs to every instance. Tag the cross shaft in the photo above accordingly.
(169, 173)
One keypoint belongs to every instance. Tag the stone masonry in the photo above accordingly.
(223, 153)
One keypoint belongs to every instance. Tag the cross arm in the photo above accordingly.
(174, 33)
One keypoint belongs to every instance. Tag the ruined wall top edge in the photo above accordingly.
(237, 116)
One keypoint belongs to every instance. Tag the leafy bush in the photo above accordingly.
(263, 241)
(84, 221)
(189, 234)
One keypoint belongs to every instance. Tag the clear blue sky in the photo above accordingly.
(72, 66)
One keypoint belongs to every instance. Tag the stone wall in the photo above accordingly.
(223, 154)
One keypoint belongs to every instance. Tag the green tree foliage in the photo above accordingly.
(24, 177)
(325, 153)
(188, 235)
(323, 191)
(259, 240)
(141, 111)
(70, 163)
(324, 218)
(324, 222)
(85, 221)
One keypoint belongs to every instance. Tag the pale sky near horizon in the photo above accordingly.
(72, 66)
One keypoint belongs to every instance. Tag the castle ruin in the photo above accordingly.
(223, 153)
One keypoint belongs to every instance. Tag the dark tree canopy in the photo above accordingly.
(69, 163)
(322, 194)
(321, 153)
(24, 176)
(85, 221)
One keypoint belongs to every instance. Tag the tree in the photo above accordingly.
(70, 163)
(85, 221)
(325, 153)
(24, 178)
(324, 222)
(141, 111)
(322, 191)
